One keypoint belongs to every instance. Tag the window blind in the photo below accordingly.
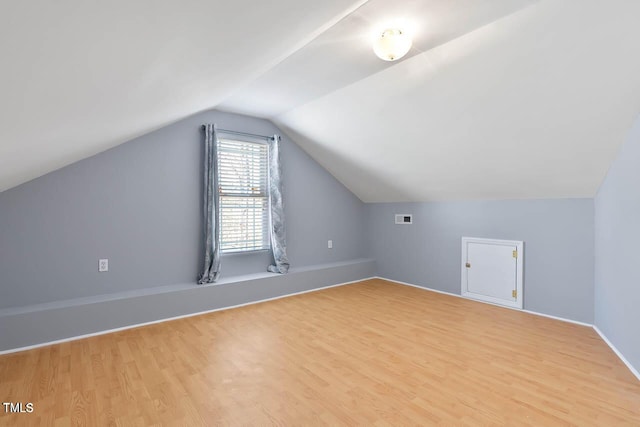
(243, 192)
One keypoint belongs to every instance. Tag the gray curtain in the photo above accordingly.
(211, 269)
(276, 215)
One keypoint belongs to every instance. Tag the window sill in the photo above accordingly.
(245, 252)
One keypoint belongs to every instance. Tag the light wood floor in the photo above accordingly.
(371, 353)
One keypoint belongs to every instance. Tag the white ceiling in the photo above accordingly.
(79, 77)
(498, 99)
(534, 105)
(343, 54)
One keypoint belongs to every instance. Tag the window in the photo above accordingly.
(243, 195)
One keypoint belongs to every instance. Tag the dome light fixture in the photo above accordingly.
(392, 44)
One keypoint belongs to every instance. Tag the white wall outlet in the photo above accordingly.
(103, 265)
(330, 244)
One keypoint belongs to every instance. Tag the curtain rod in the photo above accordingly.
(233, 132)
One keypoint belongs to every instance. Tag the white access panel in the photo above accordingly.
(492, 270)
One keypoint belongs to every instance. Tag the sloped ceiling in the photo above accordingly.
(534, 105)
(343, 54)
(497, 99)
(78, 76)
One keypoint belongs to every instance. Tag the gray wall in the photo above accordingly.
(558, 236)
(617, 234)
(139, 205)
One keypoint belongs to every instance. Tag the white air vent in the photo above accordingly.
(404, 219)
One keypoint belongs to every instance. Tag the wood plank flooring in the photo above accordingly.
(370, 353)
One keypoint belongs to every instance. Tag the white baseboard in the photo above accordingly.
(562, 319)
(124, 328)
(617, 352)
(577, 322)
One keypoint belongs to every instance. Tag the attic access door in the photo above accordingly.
(492, 271)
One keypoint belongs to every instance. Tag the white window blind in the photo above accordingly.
(243, 203)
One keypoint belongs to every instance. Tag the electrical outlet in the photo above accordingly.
(330, 244)
(103, 265)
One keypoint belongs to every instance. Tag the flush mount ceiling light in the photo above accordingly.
(392, 44)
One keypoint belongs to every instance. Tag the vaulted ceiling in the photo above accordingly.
(80, 76)
(497, 99)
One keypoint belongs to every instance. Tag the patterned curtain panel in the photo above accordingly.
(276, 217)
(211, 268)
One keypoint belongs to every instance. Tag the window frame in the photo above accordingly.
(219, 206)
